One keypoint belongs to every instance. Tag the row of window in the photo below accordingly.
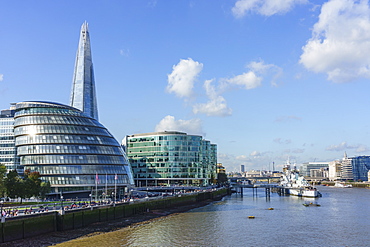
(6, 131)
(7, 138)
(67, 149)
(184, 159)
(62, 129)
(80, 169)
(164, 143)
(49, 110)
(163, 149)
(171, 175)
(71, 159)
(55, 119)
(165, 138)
(75, 139)
(86, 180)
(171, 164)
(168, 170)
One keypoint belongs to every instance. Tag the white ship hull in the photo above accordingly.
(304, 192)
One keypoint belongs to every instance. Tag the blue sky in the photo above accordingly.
(264, 80)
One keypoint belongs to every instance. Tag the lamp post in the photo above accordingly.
(61, 203)
(2, 215)
(90, 195)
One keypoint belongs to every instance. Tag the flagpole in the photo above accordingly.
(115, 188)
(96, 187)
(106, 186)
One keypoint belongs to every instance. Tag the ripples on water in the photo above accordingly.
(342, 220)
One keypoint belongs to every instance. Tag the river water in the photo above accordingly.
(343, 219)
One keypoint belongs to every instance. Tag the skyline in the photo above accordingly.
(264, 80)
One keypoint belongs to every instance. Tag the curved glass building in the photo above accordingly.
(171, 158)
(68, 148)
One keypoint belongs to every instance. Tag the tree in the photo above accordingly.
(2, 180)
(13, 184)
(222, 178)
(32, 184)
(44, 189)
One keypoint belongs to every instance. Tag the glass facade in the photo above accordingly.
(360, 167)
(68, 148)
(8, 151)
(305, 169)
(83, 95)
(171, 158)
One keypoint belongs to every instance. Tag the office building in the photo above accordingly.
(305, 169)
(360, 168)
(171, 158)
(8, 151)
(71, 150)
(83, 95)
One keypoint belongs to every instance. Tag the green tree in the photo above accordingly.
(31, 184)
(13, 184)
(2, 180)
(222, 178)
(44, 189)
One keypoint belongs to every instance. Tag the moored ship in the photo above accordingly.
(297, 185)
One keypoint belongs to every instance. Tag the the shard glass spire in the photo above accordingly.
(83, 96)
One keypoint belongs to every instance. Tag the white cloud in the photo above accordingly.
(287, 118)
(181, 80)
(282, 141)
(249, 80)
(124, 52)
(216, 106)
(262, 68)
(169, 123)
(264, 7)
(340, 43)
(359, 148)
(255, 154)
(1, 77)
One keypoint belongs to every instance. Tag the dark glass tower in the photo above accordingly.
(83, 94)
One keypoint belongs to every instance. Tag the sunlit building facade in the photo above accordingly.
(171, 158)
(71, 150)
(8, 151)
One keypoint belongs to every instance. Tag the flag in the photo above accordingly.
(115, 177)
(97, 178)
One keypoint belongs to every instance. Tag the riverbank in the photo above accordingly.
(54, 238)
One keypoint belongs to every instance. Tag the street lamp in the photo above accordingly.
(61, 203)
(2, 215)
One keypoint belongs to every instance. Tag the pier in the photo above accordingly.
(268, 187)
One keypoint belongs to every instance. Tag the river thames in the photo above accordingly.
(343, 219)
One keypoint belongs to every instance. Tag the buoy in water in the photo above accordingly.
(250, 217)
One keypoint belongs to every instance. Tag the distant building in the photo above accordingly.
(220, 168)
(8, 151)
(347, 171)
(305, 169)
(335, 170)
(360, 167)
(254, 173)
(242, 168)
(171, 158)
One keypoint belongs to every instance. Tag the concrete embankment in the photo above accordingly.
(38, 224)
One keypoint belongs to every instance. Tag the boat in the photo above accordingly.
(342, 185)
(311, 204)
(296, 185)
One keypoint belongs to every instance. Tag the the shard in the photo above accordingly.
(83, 94)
